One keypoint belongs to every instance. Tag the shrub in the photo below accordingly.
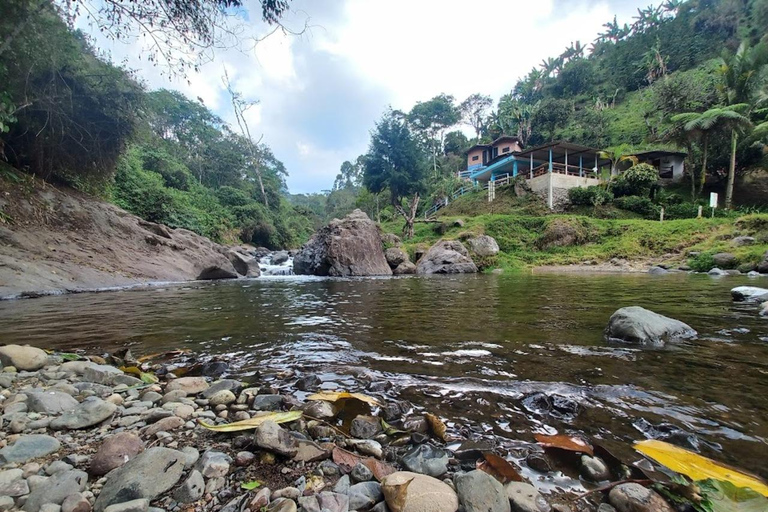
(590, 196)
(642, 205)
(635, 181)
(702, 262)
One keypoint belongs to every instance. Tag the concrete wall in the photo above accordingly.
(557, 195)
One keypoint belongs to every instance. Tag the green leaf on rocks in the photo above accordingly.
(68, 356)
(722, 496)
(249, 486)
(390, 430)
(277, 417)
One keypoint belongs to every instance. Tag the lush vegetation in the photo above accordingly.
(70, 117)
(685, 75)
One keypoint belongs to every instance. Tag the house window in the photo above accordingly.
(505, 150)
(475, 158)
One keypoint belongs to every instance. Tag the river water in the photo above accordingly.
(509, 355)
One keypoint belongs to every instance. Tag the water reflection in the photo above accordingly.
(514, 354)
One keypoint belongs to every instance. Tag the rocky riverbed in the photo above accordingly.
(80, 434)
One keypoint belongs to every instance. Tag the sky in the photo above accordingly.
(320, 93)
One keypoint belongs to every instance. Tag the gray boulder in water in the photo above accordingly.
(639, 325)
(446, 257)
(345, 247)
(749, 293)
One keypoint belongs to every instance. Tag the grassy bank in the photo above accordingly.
(527, 240)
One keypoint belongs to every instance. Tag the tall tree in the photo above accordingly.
(431, 119)
(474, 110)
(395, 162)
(744, 74)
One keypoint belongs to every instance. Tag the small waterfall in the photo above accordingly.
(276, 264)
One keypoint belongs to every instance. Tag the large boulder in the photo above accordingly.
(345, 247)
(483, 246)
(639, 325)
(23, 357)
(725, 260)
(245, 265)
(216, 272)
(446, 257)
(395, 256)
(561, 233)
(411, 492)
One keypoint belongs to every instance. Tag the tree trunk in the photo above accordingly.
(703, 177)
(409, 216)
(731, 171)
(18, 28)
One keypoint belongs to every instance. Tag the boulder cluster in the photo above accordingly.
(355, 246)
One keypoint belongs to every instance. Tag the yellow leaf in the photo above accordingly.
(436, 425)
(697, 467)
(335, 396)
(277, 417)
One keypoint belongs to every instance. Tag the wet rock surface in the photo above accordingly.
(125, 447)
(446, 257)
(639, 325)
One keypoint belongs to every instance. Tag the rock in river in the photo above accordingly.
(347, 247)
(50, 402)
(426, 459)
(636, 498)
(56, 489)
(524, 497)
(749, 293)
(145, 476)
(23, 357)
(639, 325)
(29, 447)
(446, 257)
(421, 494)
(90, 412)
(115, 451)
(480, 492)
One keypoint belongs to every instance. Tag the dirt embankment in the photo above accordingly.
(55, 240)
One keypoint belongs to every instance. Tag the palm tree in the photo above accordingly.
(743, 76)
(618, 155)
(700, 125)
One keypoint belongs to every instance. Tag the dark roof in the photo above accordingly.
(659, 152)
(508, 137)
(477, 146)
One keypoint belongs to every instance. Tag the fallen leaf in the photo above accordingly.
(66, 356)
(564, 442)
(436, 425)
(348, 460)
(334, 396)
(697, 467)
(726, 497)
(344, 457)
(146, 377)
(171, 353)
(499, 468)
(277, 417)
(249, 486)
(396, 495)
(390, 430)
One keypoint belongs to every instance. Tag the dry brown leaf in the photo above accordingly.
(396, 495)
(346, 458)
(378, 468)
(564, 442)
(499, 468)
(436, 425)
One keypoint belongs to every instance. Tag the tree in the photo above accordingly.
(431, 118)
(350, 174)
(618, 155)
(743, 75)
(474, 111)
(701, 125)
(180, 33)
(456, 143)
(395, 162)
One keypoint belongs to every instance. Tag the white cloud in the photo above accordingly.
(319, 94)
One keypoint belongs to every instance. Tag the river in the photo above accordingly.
(503, 355)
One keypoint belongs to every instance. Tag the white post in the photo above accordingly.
(699, 215)
(661, 215)
(550, 193)
(531, 169)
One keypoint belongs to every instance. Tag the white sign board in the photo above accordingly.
(713, 200)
